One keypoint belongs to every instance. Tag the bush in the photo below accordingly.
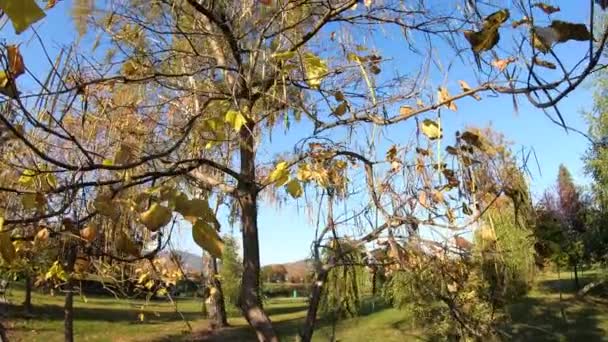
(272, 290)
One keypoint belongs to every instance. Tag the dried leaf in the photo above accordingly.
(15, 61)
(568, 31)
(546, 8)
(444, 96)
(422, 198)
(501, 64)
(488, 36)
(523, 21)
(405, 111)
(464, 86)
(544, 63)
(341, 109)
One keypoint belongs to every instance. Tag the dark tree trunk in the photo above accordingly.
(68, 308)
(313, 306)
(249, 301)
(576, 281)
(68, 312)
(27, 301)
(218, 315)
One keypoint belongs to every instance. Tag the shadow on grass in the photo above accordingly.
(55, 313)
(541, 319)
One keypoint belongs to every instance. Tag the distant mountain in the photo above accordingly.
(191, 262)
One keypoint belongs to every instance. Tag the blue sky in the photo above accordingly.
(285, 233)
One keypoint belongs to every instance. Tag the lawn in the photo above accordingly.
(538, 317)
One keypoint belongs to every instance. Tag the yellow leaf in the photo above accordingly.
(315, 69)
(155, 217)
(193, 209)
(207, 238)
(141, 317)
(27, 178)
(431, 129)
(7, 249)
(405, 111)
(235, 119)
(22, 13)
(294, 188)
(280, 175)
(443, 95)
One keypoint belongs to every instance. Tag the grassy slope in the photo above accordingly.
(538, 317)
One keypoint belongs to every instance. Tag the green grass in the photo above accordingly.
(537, 317)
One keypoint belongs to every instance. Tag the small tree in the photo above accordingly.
(231, 270)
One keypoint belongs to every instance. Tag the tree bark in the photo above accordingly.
(313, 306)
(68, 307)
(218, 315)
(27, 301)
(249, 300)
(68, 312)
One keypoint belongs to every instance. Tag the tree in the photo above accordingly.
(231, 271)
(192, 91)
(560, 226)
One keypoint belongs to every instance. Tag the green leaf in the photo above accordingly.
(315, 69)
(235, 119)
(431, 129)
(294, 188)
(22, 13)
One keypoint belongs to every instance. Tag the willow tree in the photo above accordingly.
(195, 91)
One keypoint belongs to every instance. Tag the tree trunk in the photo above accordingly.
(249, 300)
(313, 306)
(576, 282)
(27, 301)
(204, 311)
(68, 308)
(68, 312)
(217, 312)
